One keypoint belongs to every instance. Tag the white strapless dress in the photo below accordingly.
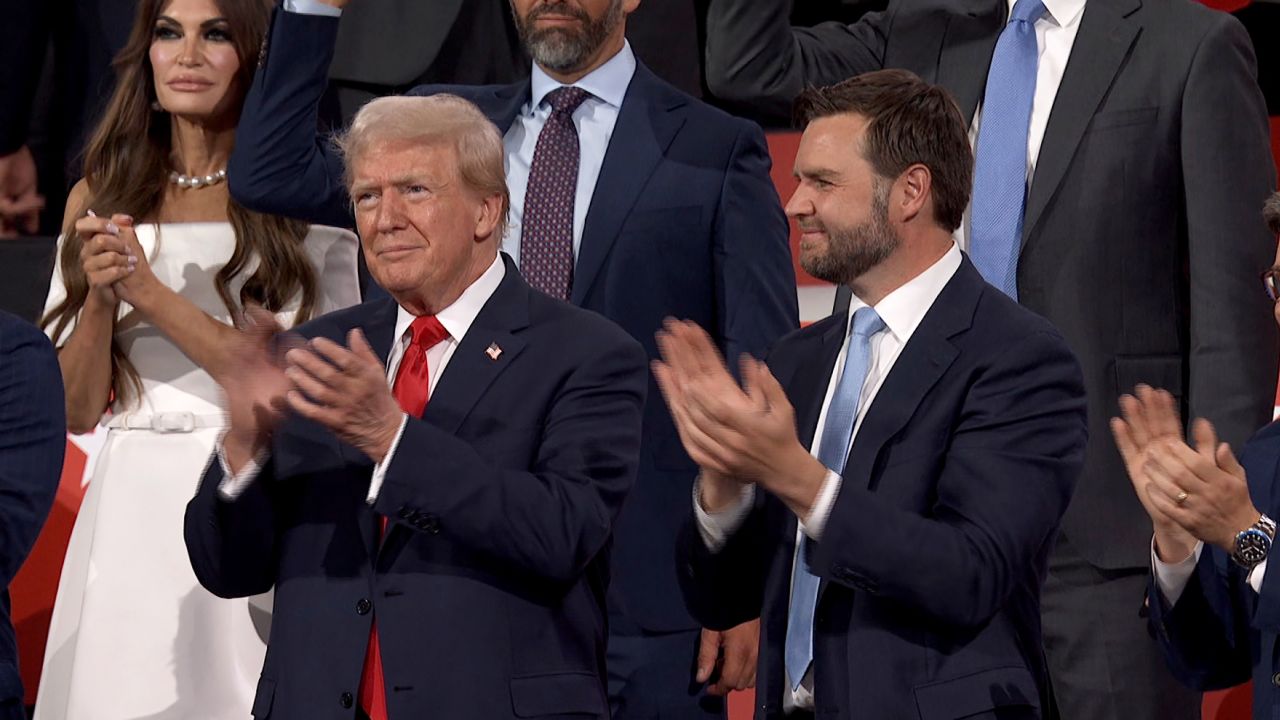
(133, 635)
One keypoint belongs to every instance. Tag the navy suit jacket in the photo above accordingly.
(33, 437)
(1221, 631)
(684, 222)
(933, 556)
(488, 586)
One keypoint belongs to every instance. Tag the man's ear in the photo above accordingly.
(916, 186)
(489, 216)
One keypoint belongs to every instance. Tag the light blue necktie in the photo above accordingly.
(1000, 173)
(833, 450)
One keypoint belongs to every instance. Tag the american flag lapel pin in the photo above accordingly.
(493, 351)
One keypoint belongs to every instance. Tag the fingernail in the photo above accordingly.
(112, 229)
(133, 259)
(128, 218)
(93, 214)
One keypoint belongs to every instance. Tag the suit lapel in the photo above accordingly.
(923, 361)
(967, 46)
(809, 385)
(473, 367)
(470, 372)
(504, 104)
(1106, 34)
(647, 122)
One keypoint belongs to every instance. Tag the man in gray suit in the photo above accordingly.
(1122, 153)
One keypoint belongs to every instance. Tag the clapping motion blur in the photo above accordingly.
(1193, 492)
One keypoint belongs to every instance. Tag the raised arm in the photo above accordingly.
(756, 60)
(281, 164)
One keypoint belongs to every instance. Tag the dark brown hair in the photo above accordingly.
(127, 166)
(909, 122)
(1271, 213)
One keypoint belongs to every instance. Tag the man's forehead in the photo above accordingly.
(391, 160)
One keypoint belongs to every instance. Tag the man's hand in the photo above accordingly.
(1215, 504)
(735, 669)
(20, 204)
(1148, 419)
(255, 387)
(346, 391)
(746, 434)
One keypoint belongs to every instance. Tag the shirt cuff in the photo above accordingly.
(380, 470)
(716, 527)
(311, 7)
(234, 484)
(813, 525)
(1256, 575)
(1172, 578)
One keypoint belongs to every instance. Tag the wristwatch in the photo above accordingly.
(1253, 542)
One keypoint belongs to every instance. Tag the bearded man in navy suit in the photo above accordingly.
(885, 493)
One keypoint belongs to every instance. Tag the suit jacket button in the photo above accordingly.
(363, 606)
(404, 512)
(346, 700)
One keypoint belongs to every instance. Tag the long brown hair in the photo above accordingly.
(127, 171)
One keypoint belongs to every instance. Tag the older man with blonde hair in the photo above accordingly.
(428, 481)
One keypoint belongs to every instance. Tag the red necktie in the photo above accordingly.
(411, 387)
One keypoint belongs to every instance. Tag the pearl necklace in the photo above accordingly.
(196, 182)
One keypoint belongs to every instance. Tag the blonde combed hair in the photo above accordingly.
(438, 119)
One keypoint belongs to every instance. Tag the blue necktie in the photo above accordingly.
(833, 450)
(1000, 173)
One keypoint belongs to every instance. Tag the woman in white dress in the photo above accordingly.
(155, 265)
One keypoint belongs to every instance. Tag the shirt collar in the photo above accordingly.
(608, 82)
(903, 309)
(1063, 13)
(457, 318)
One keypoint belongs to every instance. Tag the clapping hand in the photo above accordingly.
(747, 433)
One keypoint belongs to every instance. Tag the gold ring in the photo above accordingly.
(1181, 497)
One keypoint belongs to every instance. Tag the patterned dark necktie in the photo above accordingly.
(412, 380)
(546, 239)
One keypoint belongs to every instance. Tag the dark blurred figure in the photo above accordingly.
(1261, 18)
(386, 47)
(32, 440)
(56, 56)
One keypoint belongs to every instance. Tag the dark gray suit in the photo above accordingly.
(1142, 242)
(386, 47)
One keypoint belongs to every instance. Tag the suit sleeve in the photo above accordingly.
(1228, 173)
(755, 282)
(33, 438)
(757, 61)
(281, 164)
(1002, 487)
(725, 588)
(1205, 636)
(552, 519)
(22, 57)
(233, 543)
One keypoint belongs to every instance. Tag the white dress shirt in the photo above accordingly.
(456, 319)
(1172, 578)
(594, 120)
(902, 311)
(1055, 35)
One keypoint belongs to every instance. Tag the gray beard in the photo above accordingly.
(563, 51)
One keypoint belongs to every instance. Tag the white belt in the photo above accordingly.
(167, 422)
